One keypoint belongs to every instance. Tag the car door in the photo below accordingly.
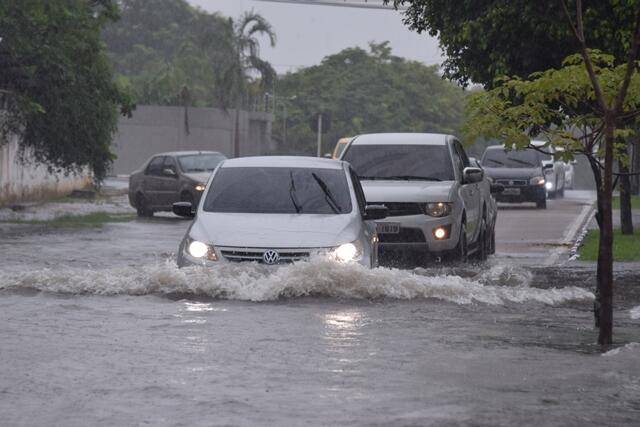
(469, 192)
(169, 183)
(152, 182)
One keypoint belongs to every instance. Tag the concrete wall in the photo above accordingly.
(27, 181)
(154, 129)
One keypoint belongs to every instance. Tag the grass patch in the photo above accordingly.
(635, 202)
(625, 247)
(93, 219)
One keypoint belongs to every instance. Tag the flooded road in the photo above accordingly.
(99, 328)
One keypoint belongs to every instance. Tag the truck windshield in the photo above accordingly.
(392, 162)
(279, 190)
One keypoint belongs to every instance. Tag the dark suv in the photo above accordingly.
(520, 172)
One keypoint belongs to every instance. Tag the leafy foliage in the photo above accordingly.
(365, 92)
(486, 39)
(174, 54)
(56, 83)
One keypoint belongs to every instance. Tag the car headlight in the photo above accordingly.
(200, 187)
(198, 249)
(537, 180)
(438, 209)
(348, 252)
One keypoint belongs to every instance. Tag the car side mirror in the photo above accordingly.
(471, 175)
(547, 166)
(169, 172)
(374, 212)
(184, 209)
(496, 188)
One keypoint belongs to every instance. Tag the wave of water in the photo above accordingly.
(254, 282)
(635, 312)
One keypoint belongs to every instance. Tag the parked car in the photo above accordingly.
(274, 210)
(170, 177)
(439, 203)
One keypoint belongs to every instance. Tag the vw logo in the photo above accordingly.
(270, 257)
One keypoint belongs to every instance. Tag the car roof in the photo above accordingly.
(402, 139)
(187, 153)
(284, 162)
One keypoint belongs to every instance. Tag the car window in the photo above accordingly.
(428, 162)
(279, 190)
(155, 166)
(462, 154)
(500, 158)
(200, 162)
(169, 163)
(360, 197)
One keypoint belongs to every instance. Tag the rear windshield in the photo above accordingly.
(420, 162)
(199, 162)
(279, 191)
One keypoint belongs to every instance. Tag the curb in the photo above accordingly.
(573, 252)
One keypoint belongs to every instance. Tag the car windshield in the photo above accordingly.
(279, 190)
(497, 158)
(398, 162)
(199, 162)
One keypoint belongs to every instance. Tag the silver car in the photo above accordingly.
(439, 204)
(275, 210)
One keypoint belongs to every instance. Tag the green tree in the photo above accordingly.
(585, 106)
(362, 92)
(56, 83)
(162, 46)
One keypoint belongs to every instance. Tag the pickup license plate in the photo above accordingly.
(388, 227)
(511, 192)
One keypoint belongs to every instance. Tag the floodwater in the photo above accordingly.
(99, 328)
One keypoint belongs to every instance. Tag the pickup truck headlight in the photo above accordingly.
(438, 209)
(200, 187)
(537, 180)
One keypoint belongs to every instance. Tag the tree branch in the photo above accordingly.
(631, 60)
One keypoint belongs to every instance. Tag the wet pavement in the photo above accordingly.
(98, 327)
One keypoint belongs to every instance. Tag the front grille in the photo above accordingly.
(406, 235)
(401, 208)
(255, 255)
(513, 182)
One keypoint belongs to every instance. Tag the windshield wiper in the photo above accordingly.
(522, 162)
(196, 170)
(292, 194)
(412, 178)
(327, 194)
(497, 162)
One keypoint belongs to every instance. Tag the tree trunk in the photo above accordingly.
(236, 133)
(597, 175)
(626, 220)
(635, 165)
(605, 250)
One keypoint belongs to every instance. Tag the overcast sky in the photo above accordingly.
(308, 33)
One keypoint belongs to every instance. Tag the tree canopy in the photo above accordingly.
(364, 91)
(175, 54)
(488, 39)
(56, 83)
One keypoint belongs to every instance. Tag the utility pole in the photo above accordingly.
(319, 134)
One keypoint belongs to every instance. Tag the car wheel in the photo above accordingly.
(492, 240)
(482, 244)
(141, 206)
(461, 251)
(542, 203)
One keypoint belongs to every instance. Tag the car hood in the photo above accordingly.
(202, 177)
(407, 191)
(275, 230)
(524, 173)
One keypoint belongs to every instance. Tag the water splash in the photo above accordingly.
(635, 312)
(320, 277)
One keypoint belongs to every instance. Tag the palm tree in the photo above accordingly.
(241, 65)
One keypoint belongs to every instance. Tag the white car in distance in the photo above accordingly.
(275, 210)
